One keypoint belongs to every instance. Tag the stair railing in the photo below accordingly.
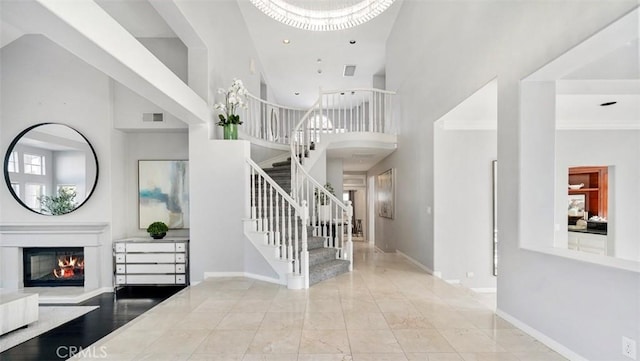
(337, 111)
(268, 121)
(353, 110)
(277, 214)
(329, 217)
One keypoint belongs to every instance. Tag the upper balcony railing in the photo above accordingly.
(336, 111)
(268, 121)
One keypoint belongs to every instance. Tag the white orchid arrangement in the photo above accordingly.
(234, 99)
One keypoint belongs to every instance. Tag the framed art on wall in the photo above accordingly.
(163, 193)
(385, 194)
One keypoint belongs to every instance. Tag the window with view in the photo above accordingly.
(34, 164)
(67, 188)
(32, 193)
(12, 165)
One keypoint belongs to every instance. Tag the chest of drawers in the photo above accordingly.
(144, 261)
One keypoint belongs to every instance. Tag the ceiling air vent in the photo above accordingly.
(349, 70)
(152, 117)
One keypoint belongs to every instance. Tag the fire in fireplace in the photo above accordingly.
(53, 266)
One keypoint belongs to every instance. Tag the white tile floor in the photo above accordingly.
(387, 309)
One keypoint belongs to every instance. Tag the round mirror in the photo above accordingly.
(51, 169)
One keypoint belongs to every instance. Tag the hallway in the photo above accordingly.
(387, 309)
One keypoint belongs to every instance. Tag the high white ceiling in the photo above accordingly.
(294, 67)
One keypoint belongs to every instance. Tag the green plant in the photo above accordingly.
(157, 228)
(63, 203)
(234, 98)
(321, 197)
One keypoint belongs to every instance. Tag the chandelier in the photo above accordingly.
(322, 15)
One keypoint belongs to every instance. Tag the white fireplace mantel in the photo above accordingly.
(16, 236)
(50, 234)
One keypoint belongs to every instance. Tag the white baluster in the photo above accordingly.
(260, 210)
(305, 246)
(265, 224)
(289, 246)
(253, 193)
(271, 216)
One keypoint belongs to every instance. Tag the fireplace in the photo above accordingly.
(53, 266)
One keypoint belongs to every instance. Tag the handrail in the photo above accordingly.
(268, 121)
(383, 91)
(274, 104)
(275, 217)
(326, 208)
(337, 111)
(275, 185)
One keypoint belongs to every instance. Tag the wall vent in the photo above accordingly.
(152, 117)
(349, 70)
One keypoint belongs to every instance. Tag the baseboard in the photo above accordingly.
(484, 289)
(420, 265)
(379, 249)
(546, 340)
(453, 282)
(243, 274)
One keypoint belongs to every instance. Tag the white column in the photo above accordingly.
(537, 172)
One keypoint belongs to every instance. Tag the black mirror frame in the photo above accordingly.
(17, 139)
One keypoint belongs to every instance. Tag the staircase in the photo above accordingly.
(323, 260)
(295, 223)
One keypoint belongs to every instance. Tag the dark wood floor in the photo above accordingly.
(115, 311)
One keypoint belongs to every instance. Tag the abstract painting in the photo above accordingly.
(385, 194)
(163, 193)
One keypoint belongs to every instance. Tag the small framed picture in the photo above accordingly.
(577, 205)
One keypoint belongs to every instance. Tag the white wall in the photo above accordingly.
(129, 106)
(149, 146)
(219, 177)
(334, 175)
(41, 82)
(221, 26)
(260, 153)
(319, 169)
(389, 235)
(463, 45)
(617, 148)
(463, 206)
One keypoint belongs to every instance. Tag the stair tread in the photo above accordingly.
(282, 164)
(326, 270)
(331, 264)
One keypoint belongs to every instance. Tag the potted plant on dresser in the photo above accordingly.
(157, 230)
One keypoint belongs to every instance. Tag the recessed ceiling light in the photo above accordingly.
(319, 71)
(297, 93)
(352, 42)
(607, 104)
(319, 60)
(286, 41)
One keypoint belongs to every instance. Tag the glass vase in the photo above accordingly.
(231, 131)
